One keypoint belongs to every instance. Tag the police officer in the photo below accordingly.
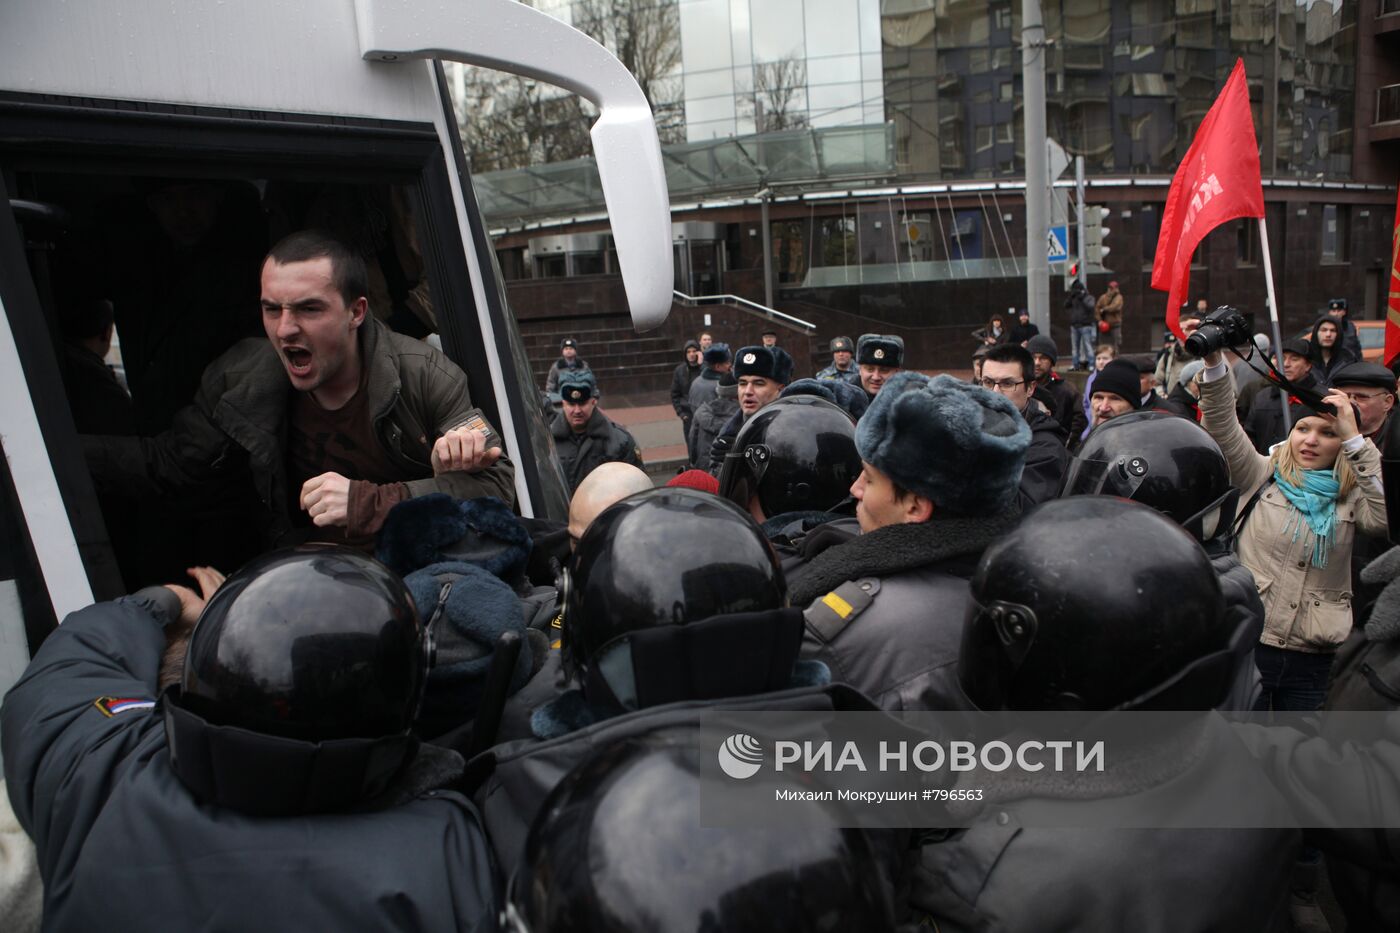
(634, 806)
(203, 810)
(674, 599)
(941, 461)
(569, 362)
(1051, 630)
(843, 365)
(879, 357)
(793, 461)
(1175, 467)
(760, 374)
(583, 436)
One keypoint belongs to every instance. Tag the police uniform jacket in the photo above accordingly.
(885, 610)
(124, 846)
(602, 441)
(832, 374)
(1006, 873)
(510, 781)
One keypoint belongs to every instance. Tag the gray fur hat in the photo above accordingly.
(578, 386)
(955, 443)
(880, 350)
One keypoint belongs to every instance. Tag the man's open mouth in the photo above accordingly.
(298, 360)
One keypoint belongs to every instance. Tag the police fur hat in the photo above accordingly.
(568, 342)
(718, 353)
(1042, 344)
(957, 444)
(477, 609)
(880, 350)
(1121, 378)
(765, 362)
(578, 386)
(842, 344)
(1337, 303)
(1365, 374)
(434, 528)
(851, 399)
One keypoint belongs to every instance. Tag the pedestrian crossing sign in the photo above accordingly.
(1057, 243)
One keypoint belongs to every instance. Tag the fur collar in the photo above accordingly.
(1384, 624)
(895, 548)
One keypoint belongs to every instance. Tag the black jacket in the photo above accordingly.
(1183, 404)
(1080, 305)
(1020, 333)
(122, 844)
(1066, 406)
(1046, 459)
(680, 389)
(238, 425)
(1264, 422)
(602, 441)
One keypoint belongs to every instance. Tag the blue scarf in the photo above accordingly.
(1315, 503)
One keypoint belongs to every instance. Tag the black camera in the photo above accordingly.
(1223, 327)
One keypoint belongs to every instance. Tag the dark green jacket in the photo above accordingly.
(238, 421)
(602, 441)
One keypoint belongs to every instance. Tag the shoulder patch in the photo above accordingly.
(111, 706)
(829, 615)
(475, 423)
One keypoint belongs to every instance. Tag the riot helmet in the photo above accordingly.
(302, 679)
(796, 454)
(629, 819)
(1096, 603)
(1162, 461)
(675, 594)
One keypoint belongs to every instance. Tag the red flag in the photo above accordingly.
(1217, 181)
(1392, 314)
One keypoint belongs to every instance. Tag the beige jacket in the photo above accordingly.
(1306, 608)
(1109, 307)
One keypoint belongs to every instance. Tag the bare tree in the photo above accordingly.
(645, 35)
(778, 96)
(508, 122)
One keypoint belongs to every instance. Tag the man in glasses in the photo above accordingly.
(1009, 370)
(1371, 388)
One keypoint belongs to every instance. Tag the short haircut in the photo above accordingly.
(1108, 348)
(348, 271)
(1012, 353)
(85, 318)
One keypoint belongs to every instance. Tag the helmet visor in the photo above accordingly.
(1090, 476)
(742, 472)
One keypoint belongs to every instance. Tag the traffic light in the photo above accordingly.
(1094, 235)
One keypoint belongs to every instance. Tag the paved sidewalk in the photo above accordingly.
(658, 434)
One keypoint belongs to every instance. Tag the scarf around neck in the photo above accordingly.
(1315, 504)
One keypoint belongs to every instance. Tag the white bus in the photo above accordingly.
(149, 155)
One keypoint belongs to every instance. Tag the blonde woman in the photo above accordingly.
(1315, 490)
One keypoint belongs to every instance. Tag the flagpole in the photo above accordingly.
(1273, 316)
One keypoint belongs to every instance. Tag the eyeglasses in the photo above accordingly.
(1365, 396)
(1005, 385)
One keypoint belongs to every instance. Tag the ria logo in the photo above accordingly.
(740, 756)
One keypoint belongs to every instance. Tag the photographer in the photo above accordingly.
(1306, 502)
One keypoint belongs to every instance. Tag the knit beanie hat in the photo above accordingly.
(1189, 371)
(695, 479)
(1042, 344)
(957, 444)
(728, 386)
(1121, 378)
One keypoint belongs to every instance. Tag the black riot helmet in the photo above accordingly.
(302, 678)
(623, 845)
(796, 454)
(1096, 603)
(675, 594)
(1162, 461)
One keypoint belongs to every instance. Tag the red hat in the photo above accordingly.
(696, 479)
(1113, 284)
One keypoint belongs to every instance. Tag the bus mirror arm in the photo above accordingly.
(546, 49)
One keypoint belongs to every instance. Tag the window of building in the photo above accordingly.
(1336, 229)
(1247, 242)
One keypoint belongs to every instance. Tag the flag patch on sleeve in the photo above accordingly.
(111, 706)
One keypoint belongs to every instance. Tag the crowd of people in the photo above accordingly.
(442, 715)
